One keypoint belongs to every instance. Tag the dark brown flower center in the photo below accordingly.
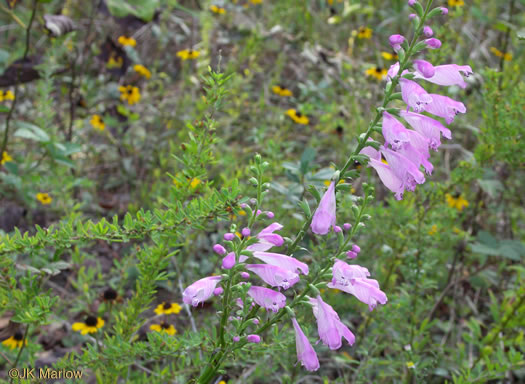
(379, 69)
(91, 321)
(164, 325)
(166, 306)
(110, 294)
(18, 336)
(298, 114)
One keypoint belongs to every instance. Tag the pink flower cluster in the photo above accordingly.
(399, 160)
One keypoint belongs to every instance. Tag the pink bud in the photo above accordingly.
(412, 16)
(229, 236)
(356, 248)
(351, 254)
(347, 226)
(254, 339)
(411, 2)
(425, 68)
(433, 43)
(244, 205)
(396, 40)
(236, 339)
(218, 291)
(245, 275)
(256, 321)
(427, 31)
(229, 261)
(337, 229)
(270, 215)
(258, 212)
(444, 11)
(219, 249)
(245, 232)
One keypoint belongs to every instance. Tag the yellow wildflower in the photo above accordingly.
(127, 41)
(163, 327)
(5, 158)
(456, 3)
(44, 198)
(458, 202)
(364, 33)
(410, 365)
(242, 212)
(97, 122)
(188, 54)
(256, 2)
(281, 91)
(389, 56)
(114, 61)
(129, 93)
(377, 72)
(15, 341)
(91, 325)
(167, 308)
(507, 56)
(433, 230)
(297, 116)
(142, 70)
(194, 182)
(218, 10)
(7, 95)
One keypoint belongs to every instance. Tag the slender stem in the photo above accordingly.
(22, 347)
(24, 57)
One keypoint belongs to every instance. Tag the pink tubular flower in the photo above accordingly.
(445, 107)
(404, 169)
(305, 352)
(354, 279)
(330, 328)
(428, 127)
(229, 261)
(424, 69)
(393, 70)
(267, 239)
(433, 43)
(386, 174)
(282, 261)
(274, 276)
(395, 133)
(324, 216)
(450, 74)
(396, 41)
(417, 151)
(253, 339)
(267, 298)
(414, 95)
(200, 291)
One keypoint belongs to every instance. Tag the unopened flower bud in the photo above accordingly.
(444, 11)
(433, 43)
(425, 68)
(356, 248)
(347, 226)
(229, 261)
(245, 275)
(254, 339)
(236, 339)
(270, 215)
(219, 249)
(337, 229)
(229, 236)
(351, 254)
(427, 31)
(245, 232)
(218, 291)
